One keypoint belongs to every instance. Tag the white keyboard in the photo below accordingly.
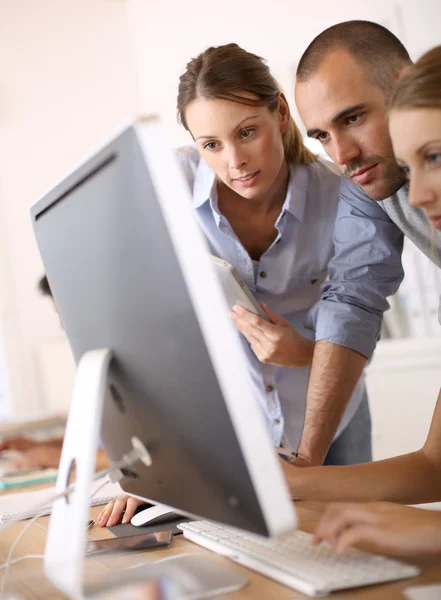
(293, 561)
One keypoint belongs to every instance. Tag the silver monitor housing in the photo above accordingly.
(130, 272)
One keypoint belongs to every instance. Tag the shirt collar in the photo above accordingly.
(204, 189)
(295, 201)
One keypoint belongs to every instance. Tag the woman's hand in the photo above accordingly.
(388, 528)
(111, 513)
(40, 456)
(18, 442)
(274, 341)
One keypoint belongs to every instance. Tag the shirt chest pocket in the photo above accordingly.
(304, 290)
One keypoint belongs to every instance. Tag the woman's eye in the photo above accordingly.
(246, 133)
(434, 158)
(210, 146)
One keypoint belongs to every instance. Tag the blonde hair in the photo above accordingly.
(228, 72)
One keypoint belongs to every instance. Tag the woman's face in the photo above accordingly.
(242, 144)
(416, 139)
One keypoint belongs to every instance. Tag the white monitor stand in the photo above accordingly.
(67, 536)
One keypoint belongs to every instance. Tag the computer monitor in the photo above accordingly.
(130, 271)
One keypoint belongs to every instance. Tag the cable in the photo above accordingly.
(112, 474)
(69, 488)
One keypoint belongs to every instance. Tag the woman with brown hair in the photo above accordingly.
(267, 206)
(415, 129)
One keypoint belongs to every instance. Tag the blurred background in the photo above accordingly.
(73, 72)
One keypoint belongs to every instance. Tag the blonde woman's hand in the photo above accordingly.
(387, 528)
(274, 341)
(124, 506)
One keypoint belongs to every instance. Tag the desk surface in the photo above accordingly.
(26, 578)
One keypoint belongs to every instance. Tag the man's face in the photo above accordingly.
(346, 112)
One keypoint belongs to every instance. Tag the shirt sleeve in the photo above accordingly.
(365, 269)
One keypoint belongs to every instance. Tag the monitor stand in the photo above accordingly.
(67, 535)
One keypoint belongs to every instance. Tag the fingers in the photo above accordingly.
(104, 514)
(274, 317)
(247, 321)
(38, 458)
(258, 333)
(132, 505)
(112, 512)
(17, 443)
(339, 517)
(359, 534)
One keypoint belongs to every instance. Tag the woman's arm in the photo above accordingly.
(409, 479)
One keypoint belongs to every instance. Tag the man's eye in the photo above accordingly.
(210, 146)
(406, 171)
(353, 119)
(322, 137)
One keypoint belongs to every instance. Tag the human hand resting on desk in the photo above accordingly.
(388, 528)
(38, 457)
(34, 454)
(274, 341)
(111, 513)
(19, 442)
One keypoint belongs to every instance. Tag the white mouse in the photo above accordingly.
(154, 515)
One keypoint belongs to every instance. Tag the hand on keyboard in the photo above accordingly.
(388, 528)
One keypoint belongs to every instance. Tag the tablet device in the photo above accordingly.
(236, 290)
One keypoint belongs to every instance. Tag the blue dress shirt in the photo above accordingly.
(365, 269)
(288, 277)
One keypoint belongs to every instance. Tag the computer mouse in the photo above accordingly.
(155, 515)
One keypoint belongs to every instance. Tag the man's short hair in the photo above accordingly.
(372, 45)
(44, 287)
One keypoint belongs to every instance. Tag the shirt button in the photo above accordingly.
(276, 421)
(263, 274)
(269, 388)
(314, 281)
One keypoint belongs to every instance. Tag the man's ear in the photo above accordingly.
(403, 71)
(284, 113)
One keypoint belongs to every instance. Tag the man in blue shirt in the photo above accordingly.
(343, 83)
(344, 79)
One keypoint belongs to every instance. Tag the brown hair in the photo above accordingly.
(226, 72)
(420, 84)
(372, 45)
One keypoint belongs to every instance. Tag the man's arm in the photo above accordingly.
(365, 269)
(335, 371)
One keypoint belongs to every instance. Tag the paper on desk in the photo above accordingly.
(423, 592)
(22, 506)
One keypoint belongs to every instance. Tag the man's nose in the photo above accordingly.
(345, 150)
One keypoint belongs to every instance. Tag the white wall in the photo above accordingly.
(67, 81)
(169, 33)
(403, 383)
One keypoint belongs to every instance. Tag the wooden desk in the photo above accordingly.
(27, 579)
